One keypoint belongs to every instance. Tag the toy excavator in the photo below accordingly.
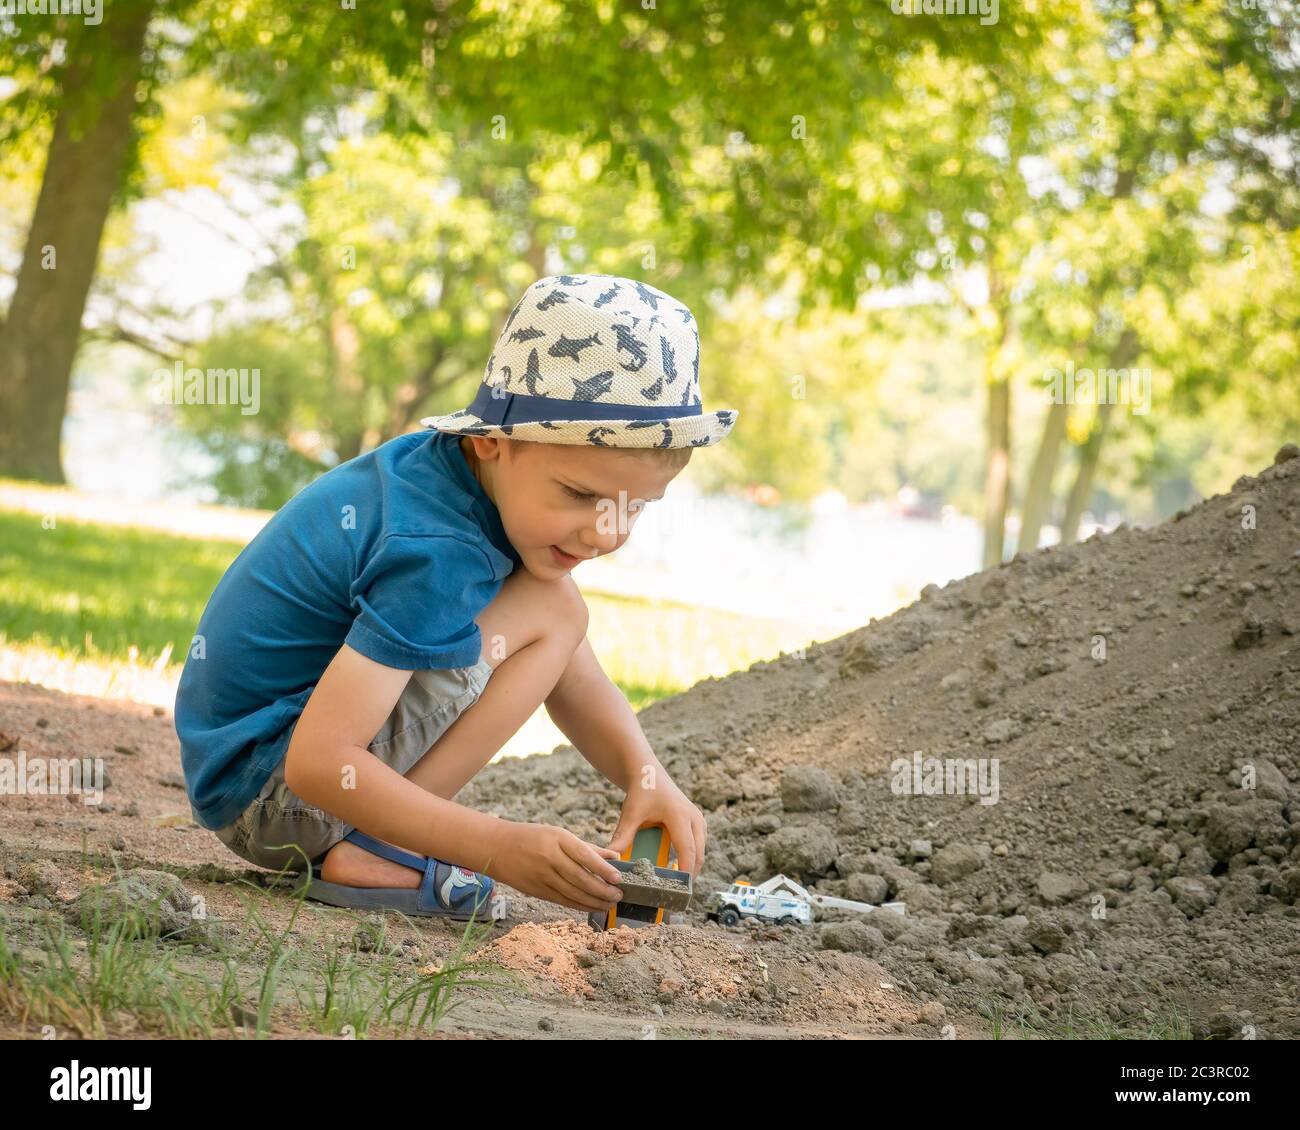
(780, 900)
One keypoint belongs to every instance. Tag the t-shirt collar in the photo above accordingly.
(488, 514)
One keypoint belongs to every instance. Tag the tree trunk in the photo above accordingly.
(1000, 364)
(411, 395)
(997, 474)
(87, 156)
(1081, 491)
(1038, 494)
(1122, 356)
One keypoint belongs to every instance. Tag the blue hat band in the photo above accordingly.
(520, 408)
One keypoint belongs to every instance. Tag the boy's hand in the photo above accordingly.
(654, 798)
(553, 864)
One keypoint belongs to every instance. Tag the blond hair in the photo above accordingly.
(669, 458)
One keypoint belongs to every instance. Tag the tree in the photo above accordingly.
(1180, 108)
(666, 87)
(98, 87)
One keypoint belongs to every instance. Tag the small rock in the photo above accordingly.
(1046, 936)
(806, 788)
(1249, 633)
(1230, 829)
(861, 887)
(799, 851)
(1001, 730)
(40, 877)
(670, 988)
(957, 861)
(1190, 895)
(1270, 783)
(933, 1013)
(921, 898)
(852, 937)
(1055, 887)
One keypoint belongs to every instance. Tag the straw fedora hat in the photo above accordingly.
(598, 360)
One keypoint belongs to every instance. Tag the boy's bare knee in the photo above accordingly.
(572, 609)
(562, 606)
(529, 609)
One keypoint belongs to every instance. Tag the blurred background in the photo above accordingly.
(979, 277)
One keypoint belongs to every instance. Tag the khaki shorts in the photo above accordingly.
(278, 819)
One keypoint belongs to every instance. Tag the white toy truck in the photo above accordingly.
(780, 900)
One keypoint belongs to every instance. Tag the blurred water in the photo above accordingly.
(831, 563)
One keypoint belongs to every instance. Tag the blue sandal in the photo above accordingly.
(445, 891)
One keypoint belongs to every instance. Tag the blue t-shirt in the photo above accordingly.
(393, 553)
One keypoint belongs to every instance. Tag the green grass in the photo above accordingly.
(82, 590)
(101, 978)
(95, 591)
(1027, 1022)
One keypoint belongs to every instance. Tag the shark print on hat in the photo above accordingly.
(628, 343)
(572, 346)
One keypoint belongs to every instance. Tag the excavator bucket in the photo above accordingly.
(643, 904)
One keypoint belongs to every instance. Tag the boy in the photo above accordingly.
(399, 619)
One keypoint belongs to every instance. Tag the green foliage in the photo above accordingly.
(1080, 169)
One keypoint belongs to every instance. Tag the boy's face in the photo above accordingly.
(563, 496)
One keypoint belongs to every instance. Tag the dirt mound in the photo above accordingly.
(1080, 770)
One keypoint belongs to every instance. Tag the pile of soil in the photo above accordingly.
(1126, 858)
(1136, 867)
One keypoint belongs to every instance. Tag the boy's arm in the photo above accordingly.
(329, 765)
(599, 721)
(595, 716)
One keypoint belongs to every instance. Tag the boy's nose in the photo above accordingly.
(595, 543)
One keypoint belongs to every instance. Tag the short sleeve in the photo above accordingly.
(417, 597)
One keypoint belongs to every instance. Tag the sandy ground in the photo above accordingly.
(1127, 859)
(676, 980)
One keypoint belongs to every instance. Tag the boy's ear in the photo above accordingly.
(485, 447)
